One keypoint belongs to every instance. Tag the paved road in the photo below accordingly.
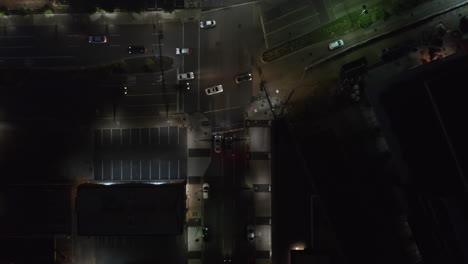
(229, 209)
(228, 50)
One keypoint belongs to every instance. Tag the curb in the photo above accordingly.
(383, 35)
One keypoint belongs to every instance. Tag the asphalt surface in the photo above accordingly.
(229, 208)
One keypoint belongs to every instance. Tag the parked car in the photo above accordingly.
(336, 44)
(217, 143)
(244, 78)
(207, 24)
(97, 39)
(214, 90)
(250, 233)
(186, 76)
(136, 49)
(206, 190)
(183, 51)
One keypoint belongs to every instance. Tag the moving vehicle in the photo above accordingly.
(206, 189)
(206, 234)
(186, 86)
(228, 145)
(186, 76)
(227, 259)
(250, 233)
(217, 143)
(336, 44)
(244, 78)
(183, 51)
(97, 39)
(136, 49)
(207, 24)
(214, 90)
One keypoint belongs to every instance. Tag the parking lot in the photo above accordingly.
(139, 154)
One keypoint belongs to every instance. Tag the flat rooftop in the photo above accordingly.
(131, 209)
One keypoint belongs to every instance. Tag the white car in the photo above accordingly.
(214, 90)
(217, 143)
(186, 76)
(206, 189)
(207, 24)
(183, 51)
(336, 44)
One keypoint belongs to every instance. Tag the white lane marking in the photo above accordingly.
(198, 74)
(50, 57)
(149, 105)
(287, 14)
(114, 45)
(16, 36)
(226, 7)
(263, 28)
(230, 125)
(224, 109)
(136, 95)
(150, 161)
(177, 100)
(183, 44)
(300, 20)
(17, 47)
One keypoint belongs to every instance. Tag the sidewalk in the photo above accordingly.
(287, 81)
(115, 18)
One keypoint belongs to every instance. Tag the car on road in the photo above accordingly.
(244, 78)
(97, 39)
(336, 44)
(228, 145)
(214, 90)
(207, 24)
(217, 143)
(186, 86)
(206, 234)
(227, 259)
(206, 190)
(186, 76)
(250, 233)
(183, 51)
(124, 90)
(136, 49)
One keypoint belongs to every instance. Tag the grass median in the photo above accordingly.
(352, 22)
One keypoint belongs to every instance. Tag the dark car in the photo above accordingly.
(136, 49)
(97, 39)
(185, 85)
(227, 259)
(250, 233)
(244, 78)
(228, 145)
(206, 234)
